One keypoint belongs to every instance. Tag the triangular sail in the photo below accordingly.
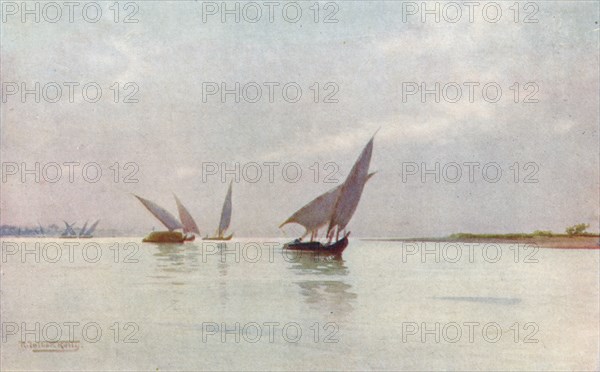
(225, 213)
(69, 229)
(189, 225)
(161, 214)
(92, 228)
(82, 231)
(351, 190)
(317, 212)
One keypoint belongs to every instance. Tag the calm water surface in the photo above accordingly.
(382, 306)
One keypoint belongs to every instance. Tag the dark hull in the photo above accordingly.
(335, 248)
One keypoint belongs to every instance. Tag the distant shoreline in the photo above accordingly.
(587, 241)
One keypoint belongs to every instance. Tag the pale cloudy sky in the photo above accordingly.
(369, 53)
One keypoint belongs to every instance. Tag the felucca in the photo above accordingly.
(334, 208)
(88, 234)
(225, 219)
(167, 219)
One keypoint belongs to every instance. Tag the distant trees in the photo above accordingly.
(543, 233)
(578, 229)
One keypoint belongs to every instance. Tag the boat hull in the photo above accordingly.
(335, 248)
(218, 238)
(164, 237)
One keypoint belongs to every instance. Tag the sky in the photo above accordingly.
(371, 57)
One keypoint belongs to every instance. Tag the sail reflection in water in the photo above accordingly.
(326, 289)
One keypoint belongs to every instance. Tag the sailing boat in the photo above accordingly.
(225, 219)
(334, 208)
(82, 231)
(167, 219)
(87, 234)
(41, 233)
(69, 233)
(189, 225)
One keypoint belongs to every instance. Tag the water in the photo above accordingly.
(377, 308)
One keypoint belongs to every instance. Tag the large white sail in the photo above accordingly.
(161, 214)
(92, 228)
(351, 190)
(317, 212)
(189, 225)
(225, 213)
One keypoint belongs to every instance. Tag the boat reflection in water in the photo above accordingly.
(176, 258)
(325, 286)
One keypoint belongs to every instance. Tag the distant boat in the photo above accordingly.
(69, 233)
(82, 231)
(167, 219)
(225, 219)
(41, 232)
(88, 234)
(189, 225)
(334, 208)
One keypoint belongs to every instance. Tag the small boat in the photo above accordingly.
(334, 208)
(88, 234)
(41, 233)
(225, 219)
(189, 225)
(167, 219)
(69, 233)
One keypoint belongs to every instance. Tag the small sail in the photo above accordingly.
(225, 213)
(351, 190)
(69, 229)
(189, 225)
(161, 214)
(317, 213)
(82, 231)
(92, 228)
